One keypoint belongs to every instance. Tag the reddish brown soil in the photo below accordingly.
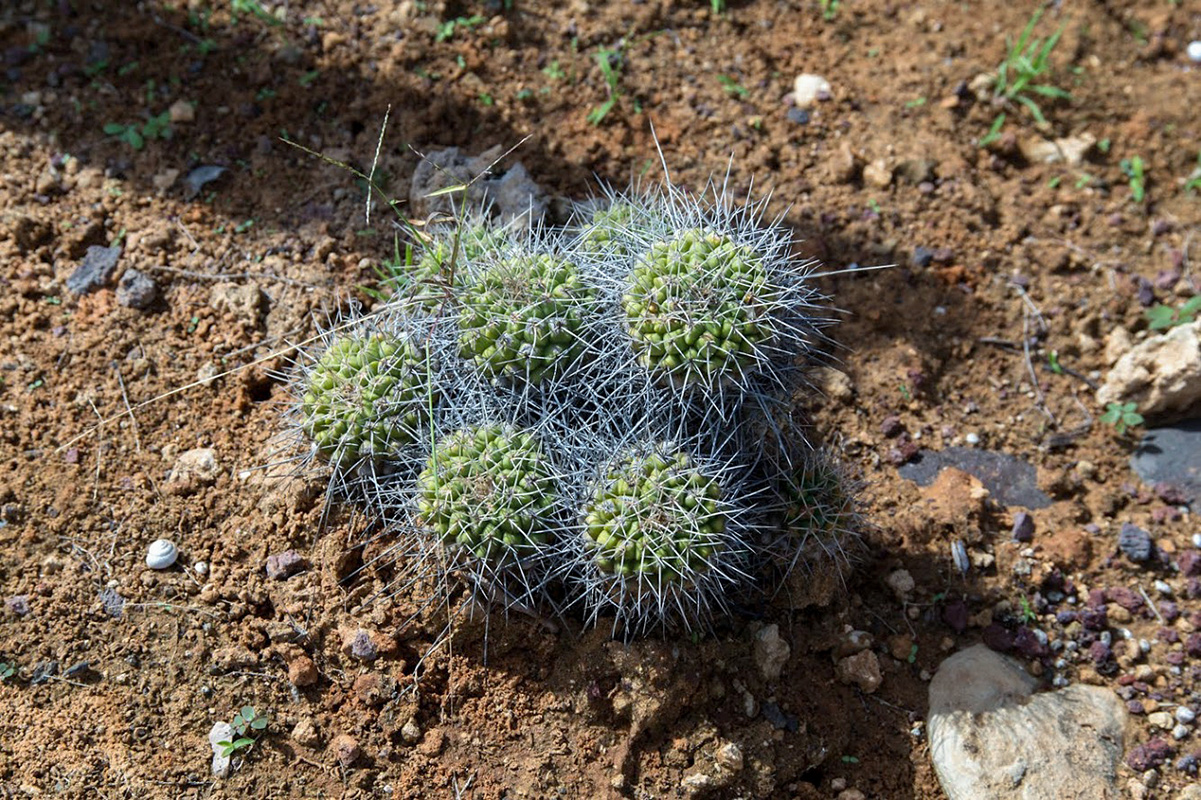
(566, 714)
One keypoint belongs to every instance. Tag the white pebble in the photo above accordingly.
(1197, 540)
(1163, 588)
(1144, 645)
(959, 556)
(1194, 50)
(201, 567)
(1179, 732)
(972, 438)
(1185, 715)
(807, 89)
(161, 554)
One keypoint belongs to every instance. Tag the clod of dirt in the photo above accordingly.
(193, 469)
(345, 749)
(1161, 375)
(243, 302)
(302, 672)
(95, 271)
(306, 733)
(771, 652)
(227, 659)
(990, 736)
(901, 583)
(136, 290)
(862, 670)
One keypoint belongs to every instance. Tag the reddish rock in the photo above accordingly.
(282, 566)
(345, 749)
(303, 672)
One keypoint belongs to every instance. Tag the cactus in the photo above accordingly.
(435, 280)
(611, 231)
(655, 518)
(522, 318)
(365, 398)
(698, 309)
(487, 491)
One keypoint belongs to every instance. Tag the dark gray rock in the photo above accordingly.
(95, 270)
(113, 603)
(1135, 543)
(136, 290)
(1023, 527)
(1010, 480)
(1172, 454)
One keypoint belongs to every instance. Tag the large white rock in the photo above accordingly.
(1161, 374)
(992, 738)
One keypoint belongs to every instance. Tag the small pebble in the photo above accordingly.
(1163, 588)
(807, 89)
(959, 556)
(1194, 51)
(161, 554)
(1023, 527)
(1197, 540)
(1185, 715)
(1135, 543)
(922, 256)
(972, 439)
(201, 567)
(798, 115)
(1179, 732)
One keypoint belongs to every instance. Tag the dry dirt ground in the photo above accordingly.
(993, 248)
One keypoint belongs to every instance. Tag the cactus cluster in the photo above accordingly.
(591, 417)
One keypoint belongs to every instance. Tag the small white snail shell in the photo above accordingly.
(161, 554)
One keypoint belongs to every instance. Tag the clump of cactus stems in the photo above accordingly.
(366, 398)
(638, 363)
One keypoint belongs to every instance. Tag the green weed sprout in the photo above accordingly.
(1162, 317)
(245, 724)
(1122, 416)
(1027, 60)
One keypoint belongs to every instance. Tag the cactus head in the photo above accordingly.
(522, 318)
(434, 280)
(487, 491)
(698, 309)
(609, 233)
(655, 519)
(365, 398)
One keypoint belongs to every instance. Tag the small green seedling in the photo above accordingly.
(1027, 61)
(7, 671)
(610, 63)
(157, 127)
(245, 723)
(1192, 184)
(829, 9)
(446, 30)
(1122, 416)
(1134, 169)
(732, 87)
(1161, 317)
(1027, 614)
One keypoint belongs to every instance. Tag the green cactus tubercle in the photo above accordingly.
(697, 308)
(365, 398)
(656, 518)
(609, 231)
(489, 490)
(434, 278)
(522, 318)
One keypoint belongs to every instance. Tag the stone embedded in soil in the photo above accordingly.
(512, 194)
(771, 652)
(18, 604)
(97, 269)
(362, 647)
(410, 733)
(1172, 454)
(1023, 527)
(220, 732)
(1149, 755)
(282, 566)
(901, 582)
(345, 749)
(112, 602)
(136, 289)
(808, 89)
(1010, 480)
(991, 736)
(862, 670)
(1135, 543)
(1161, 374)
(233, 657)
